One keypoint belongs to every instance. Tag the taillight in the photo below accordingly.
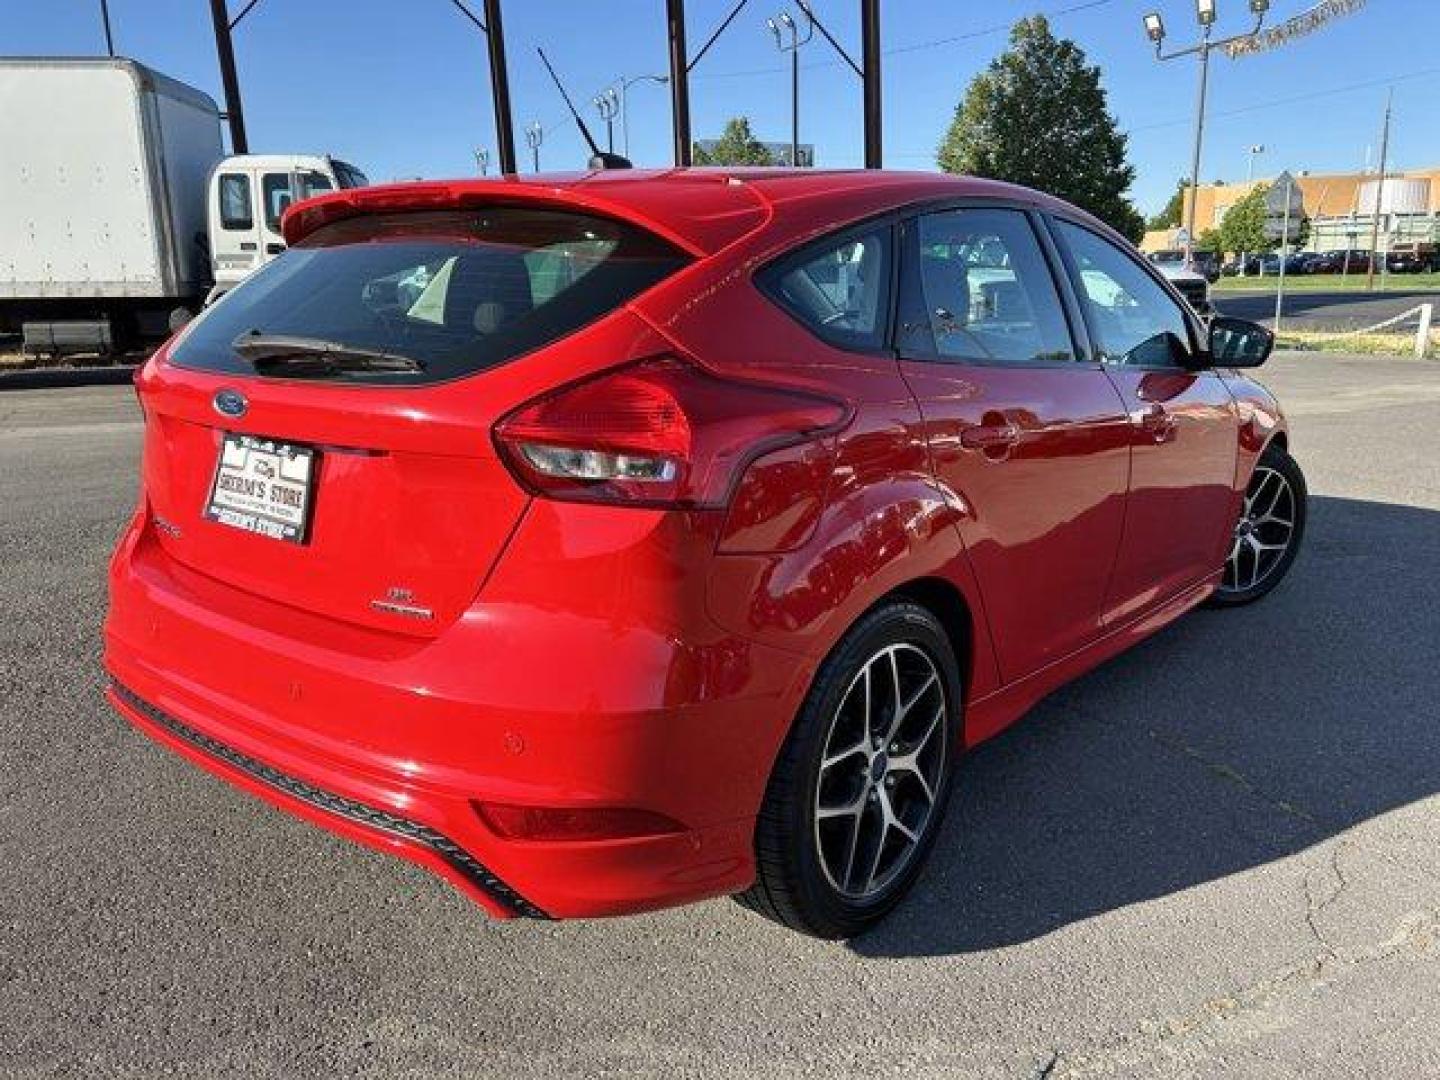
(659, 433)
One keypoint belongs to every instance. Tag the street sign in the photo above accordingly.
(1182, 237)
(1284, 196)
(1284, 208)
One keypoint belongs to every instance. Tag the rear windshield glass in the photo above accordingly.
(456, 291)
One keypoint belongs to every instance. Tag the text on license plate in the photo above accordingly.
(263, 486)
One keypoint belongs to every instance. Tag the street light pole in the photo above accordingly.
(1195, 150)
(534, 136)
(1155, 31)
(607, 104)
(778, 26)
(1255, 151)
(625, 83)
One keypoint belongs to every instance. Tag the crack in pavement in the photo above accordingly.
(1252, 1010)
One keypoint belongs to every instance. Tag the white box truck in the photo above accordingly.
(104, 166)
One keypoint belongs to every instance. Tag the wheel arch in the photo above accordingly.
(944, 600)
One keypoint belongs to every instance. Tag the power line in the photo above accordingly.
(1294, 99)
(914, 46)
(1297, 98)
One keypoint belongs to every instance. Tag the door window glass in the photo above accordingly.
(977, 288)
(840, 290)
(236, 211)
(1133, 319)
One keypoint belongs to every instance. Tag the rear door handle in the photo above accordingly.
(989, 436)
(1157, 421)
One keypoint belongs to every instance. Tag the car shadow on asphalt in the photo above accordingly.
(1232, 739)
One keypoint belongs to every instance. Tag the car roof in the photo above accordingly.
(699, 209)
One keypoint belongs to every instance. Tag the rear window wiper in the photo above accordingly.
(306, 356)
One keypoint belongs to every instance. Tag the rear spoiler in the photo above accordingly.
(702, 215)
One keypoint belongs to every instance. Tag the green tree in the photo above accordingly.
(1169, 216)
(1209, 240)
(1038, 116)
(1243, 226)
(737, 145)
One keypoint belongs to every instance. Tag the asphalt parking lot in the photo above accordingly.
(1325, 311)
(1213, 857)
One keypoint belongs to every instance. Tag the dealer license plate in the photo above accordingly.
(263, 486)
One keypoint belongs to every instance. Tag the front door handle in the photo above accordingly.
(1157, 422)
(274, 249)
(989, 436)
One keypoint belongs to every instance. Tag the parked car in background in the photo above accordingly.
(1204, 263)
(609, 541)
(1413, 257)
(1349, 261)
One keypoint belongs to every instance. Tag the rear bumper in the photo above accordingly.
(395, 746)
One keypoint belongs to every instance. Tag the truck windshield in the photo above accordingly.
(281, 189)
(457, 292)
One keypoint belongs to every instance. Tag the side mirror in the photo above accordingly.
(1239, 343)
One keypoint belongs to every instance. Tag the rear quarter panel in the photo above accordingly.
(884, 521)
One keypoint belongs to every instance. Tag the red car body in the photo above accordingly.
(585, 722)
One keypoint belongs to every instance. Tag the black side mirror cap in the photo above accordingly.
(1239, 343)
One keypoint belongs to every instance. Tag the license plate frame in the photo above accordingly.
(264, 486)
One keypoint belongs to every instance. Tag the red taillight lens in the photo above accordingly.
(659, 433)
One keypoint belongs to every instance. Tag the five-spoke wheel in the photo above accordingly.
(880, 771)
(1267, 534)
(859, 790)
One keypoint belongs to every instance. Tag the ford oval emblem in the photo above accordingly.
(230, 403)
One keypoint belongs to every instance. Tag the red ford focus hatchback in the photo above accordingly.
(613, 541)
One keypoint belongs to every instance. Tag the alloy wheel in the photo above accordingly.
(880, 772)
(1264, 532)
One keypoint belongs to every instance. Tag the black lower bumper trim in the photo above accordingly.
(456, 856)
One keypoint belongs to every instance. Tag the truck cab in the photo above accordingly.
(246, 197)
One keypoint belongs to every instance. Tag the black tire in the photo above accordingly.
(792, 886)
(1238, 587)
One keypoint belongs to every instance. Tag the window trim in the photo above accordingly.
(1197, 352)
(228, 224)
(1082, 356)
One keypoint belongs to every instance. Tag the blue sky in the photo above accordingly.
(400, 87)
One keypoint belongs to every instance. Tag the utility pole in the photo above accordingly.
(1379, 191)
(679, 80)
(482, 160)
(870, 80)
(534, 136)
(225, 51)
(500, 86)
(105, 18)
